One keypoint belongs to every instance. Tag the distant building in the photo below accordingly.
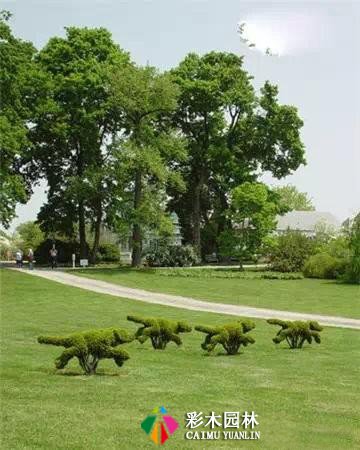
(307, 222)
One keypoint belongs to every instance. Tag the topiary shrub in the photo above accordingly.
(323, 265)
(159, 331)
(297, 332)
(230, 336)
(89, 347)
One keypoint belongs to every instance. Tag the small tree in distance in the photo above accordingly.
(290, 199)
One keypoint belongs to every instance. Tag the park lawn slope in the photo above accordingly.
(306, 295)
(304, 399)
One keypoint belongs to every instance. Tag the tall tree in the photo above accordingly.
(15, 65)
(290, 199)
(30, 235)
(232, 133)
(149, 150)
(252, 213)
(73, 127)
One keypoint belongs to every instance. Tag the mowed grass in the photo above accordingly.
(306, 295)
(304, 399)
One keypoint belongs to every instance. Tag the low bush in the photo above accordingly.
(231, 336)
(297, 332)
(172, 256)
(323, 265)
(159, 331)
(228, 273)
(282, 276)
(291, 252)
(108, 253)
(89, 347)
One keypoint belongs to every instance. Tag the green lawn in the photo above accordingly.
(304, 399)
(307, 295)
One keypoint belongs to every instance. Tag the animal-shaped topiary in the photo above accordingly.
(159, 331)
(89, 347)
(231, 336)
(297, 332)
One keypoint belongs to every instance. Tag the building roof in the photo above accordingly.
(306, 220)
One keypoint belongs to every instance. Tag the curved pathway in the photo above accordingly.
(176, 301)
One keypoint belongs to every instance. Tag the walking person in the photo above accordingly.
(19, 257)
(31, 259)
(53, 256)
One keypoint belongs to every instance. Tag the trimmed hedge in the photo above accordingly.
(297, 332)
(159, 331)
(323, 265)
(231, 336)
(89, 347)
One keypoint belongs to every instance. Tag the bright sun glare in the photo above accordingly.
(265, 38)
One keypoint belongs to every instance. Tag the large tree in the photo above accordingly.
(73, 126)
(290, 199)
(149, 150)
(233, 135)
(15, 66)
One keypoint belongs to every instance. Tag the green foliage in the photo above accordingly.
(297, 332)
(30, 235)
(15, 71)
(228, 274)
(172, 256)
(292, 250)
(323, 265)
(159, 331)
(352, 274)
(290, 199)
(231, 336)
(282, 276)
(73, 122)
(232, 136)
(149, 151)
(89, 347)
(108, 253)
(252, 214)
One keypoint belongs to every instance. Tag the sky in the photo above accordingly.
(316, 64)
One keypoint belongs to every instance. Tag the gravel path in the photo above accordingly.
(176, 301)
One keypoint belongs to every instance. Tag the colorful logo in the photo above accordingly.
(159, 425)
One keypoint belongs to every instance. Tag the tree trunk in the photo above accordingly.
(197, 219)
(137, 234)
(82, 233)
(97, 231)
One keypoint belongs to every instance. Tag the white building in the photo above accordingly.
(308, 222)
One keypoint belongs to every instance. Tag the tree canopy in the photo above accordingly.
(233, 134)
(290, 199)
(123, 146)
(74, 122)
(15, 69)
